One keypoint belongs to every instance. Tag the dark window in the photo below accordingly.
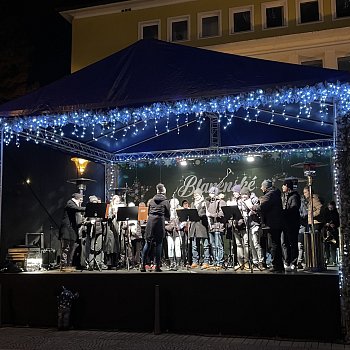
(274, 17)
(309, 12)
(150, 32)
(210, 26)
(179, 30)
(241, 22)
(344, 63)
(342, 8)
(313, 63)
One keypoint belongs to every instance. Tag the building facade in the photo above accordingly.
(310, 32)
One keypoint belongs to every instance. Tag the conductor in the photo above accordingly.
(158, 212)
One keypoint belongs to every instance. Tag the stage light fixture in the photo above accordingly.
(80, 164)
(183, 162)
(250, 159)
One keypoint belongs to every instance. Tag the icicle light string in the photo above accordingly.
(223, 106)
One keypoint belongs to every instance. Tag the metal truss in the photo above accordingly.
(215, 137)
(224, 151)
(75, 147)
(62, 143)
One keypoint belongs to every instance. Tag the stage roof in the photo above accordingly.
(156, 96)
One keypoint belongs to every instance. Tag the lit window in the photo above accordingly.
(149, 30)
(308, 11)
(342, 8)
(209, 24)
(312, 63)
(241, 19)
(344, 63)
(274, 14)
(178, 29)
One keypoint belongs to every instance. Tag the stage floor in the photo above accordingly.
(298, 305)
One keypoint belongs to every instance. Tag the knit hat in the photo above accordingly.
(288, 183)
(161, 188)
(266, 183)
(236, 188)
(245, 191)
(77, 196)
(93, 199)
(214, 190)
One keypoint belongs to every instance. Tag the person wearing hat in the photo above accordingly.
(199, 232)
(271, 212)
(215, 226)
(68, 232)
(158, 213)
(291, 205)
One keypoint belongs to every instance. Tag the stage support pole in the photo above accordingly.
(111, 180)
(341, 172)
(1, 186)
(156, 310)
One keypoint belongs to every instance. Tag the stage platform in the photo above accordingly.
(296, 305)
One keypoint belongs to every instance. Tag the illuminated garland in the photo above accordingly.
(224, 106)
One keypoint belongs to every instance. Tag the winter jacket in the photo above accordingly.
(291, 207)
(158, 213)
(270, 208)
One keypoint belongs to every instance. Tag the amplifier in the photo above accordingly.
(49, 257)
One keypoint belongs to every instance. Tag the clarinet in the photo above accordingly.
(208, 218)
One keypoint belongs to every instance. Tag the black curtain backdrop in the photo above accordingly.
(180, 181)
(38, 206)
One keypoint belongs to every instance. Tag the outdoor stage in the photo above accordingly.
(297, 305)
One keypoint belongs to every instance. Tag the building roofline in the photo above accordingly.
(115, 7)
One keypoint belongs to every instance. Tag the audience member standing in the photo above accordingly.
(270, 208)
(291, 205)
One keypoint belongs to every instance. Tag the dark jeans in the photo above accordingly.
(290, 245)
(276, 248)
(147, 248)
(68, 249)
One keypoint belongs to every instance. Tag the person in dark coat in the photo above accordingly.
(199, 232)
(330, 233)
(270, 209)
(291, 205)
(158, 213)
(68, 232)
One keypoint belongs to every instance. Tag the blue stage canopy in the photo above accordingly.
(155, 95)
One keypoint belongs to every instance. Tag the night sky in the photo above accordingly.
(35, 46)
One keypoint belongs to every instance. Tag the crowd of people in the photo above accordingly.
(263, 232)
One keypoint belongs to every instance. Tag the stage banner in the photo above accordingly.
(182, 180)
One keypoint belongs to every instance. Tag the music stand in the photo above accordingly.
(231, 212)
(126, 214)
(96, 211)
(187, 214)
